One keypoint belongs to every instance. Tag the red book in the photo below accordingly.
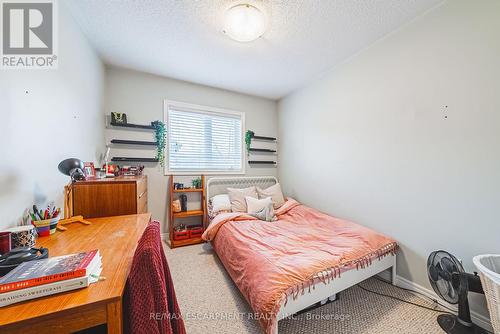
(39, 272)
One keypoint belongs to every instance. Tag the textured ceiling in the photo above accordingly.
(182, 39)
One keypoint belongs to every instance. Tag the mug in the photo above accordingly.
(22, 236)
(5, 242)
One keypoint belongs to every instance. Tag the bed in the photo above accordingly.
(302, 258)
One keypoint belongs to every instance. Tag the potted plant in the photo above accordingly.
(248, 139)
(160, 136)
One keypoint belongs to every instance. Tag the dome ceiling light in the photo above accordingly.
(244, 23)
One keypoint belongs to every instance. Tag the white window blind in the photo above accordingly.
(204, 141)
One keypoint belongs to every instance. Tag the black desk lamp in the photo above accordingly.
(73, 168)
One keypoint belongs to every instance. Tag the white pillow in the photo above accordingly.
(255, 205)
(237, 197)
(275, 193)
(220, 203)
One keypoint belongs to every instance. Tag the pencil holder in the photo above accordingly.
(53, 224)
(46, 227)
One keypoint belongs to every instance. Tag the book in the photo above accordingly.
(17, 296)
(54, 269)
(20, 295)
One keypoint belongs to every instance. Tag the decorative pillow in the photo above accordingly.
(275, 193)
(237, 198)
(220, 203)
(261, 208)
(255, 205)
(266, 214)
(210, 211)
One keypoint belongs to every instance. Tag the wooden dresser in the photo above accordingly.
(118, 196)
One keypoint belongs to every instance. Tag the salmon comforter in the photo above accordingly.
(273, 261)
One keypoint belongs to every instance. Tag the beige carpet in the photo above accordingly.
(211, 303)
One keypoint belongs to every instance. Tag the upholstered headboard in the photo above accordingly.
(219, 185)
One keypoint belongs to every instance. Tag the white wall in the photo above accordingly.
(141, 96)
(45, 117)
(370, 140)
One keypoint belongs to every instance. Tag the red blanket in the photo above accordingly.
(273, 261)
(150, 305)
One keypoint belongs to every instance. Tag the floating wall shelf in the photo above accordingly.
(272, 150)
(262, 162)
(134, 126)
(126, 159)
(264, 150)
(263, 138)
(133, 142)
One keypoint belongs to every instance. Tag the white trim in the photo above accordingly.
(164, 236)
(207, 110)
(477, 318)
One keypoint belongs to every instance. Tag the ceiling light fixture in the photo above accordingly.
(245, 23)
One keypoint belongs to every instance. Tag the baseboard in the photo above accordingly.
(164, 236)
(402, 282)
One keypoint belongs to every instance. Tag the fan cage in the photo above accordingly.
(436, 258)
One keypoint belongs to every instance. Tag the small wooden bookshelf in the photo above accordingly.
(174, 216)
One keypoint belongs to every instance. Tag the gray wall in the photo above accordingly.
(405, 137)
(141, 96)
(47, 116)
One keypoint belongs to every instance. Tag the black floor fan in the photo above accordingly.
(450, 281)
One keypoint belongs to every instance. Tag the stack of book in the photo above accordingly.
(46, 277)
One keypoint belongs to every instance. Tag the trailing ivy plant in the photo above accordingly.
(248, 139)
(160, 135)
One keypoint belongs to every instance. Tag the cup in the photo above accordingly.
(5, 245)
(22, 236)
(46, 227)
(42, 227)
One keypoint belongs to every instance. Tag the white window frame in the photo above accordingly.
(205, 109)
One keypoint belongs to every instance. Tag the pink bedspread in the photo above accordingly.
(273, 261)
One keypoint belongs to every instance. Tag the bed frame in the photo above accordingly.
(322, 292)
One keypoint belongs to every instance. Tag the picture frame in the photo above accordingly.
(118, 118)
(89, 170)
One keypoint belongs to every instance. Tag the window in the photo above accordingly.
(203, 139)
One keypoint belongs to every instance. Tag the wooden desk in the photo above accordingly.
(116, 238)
